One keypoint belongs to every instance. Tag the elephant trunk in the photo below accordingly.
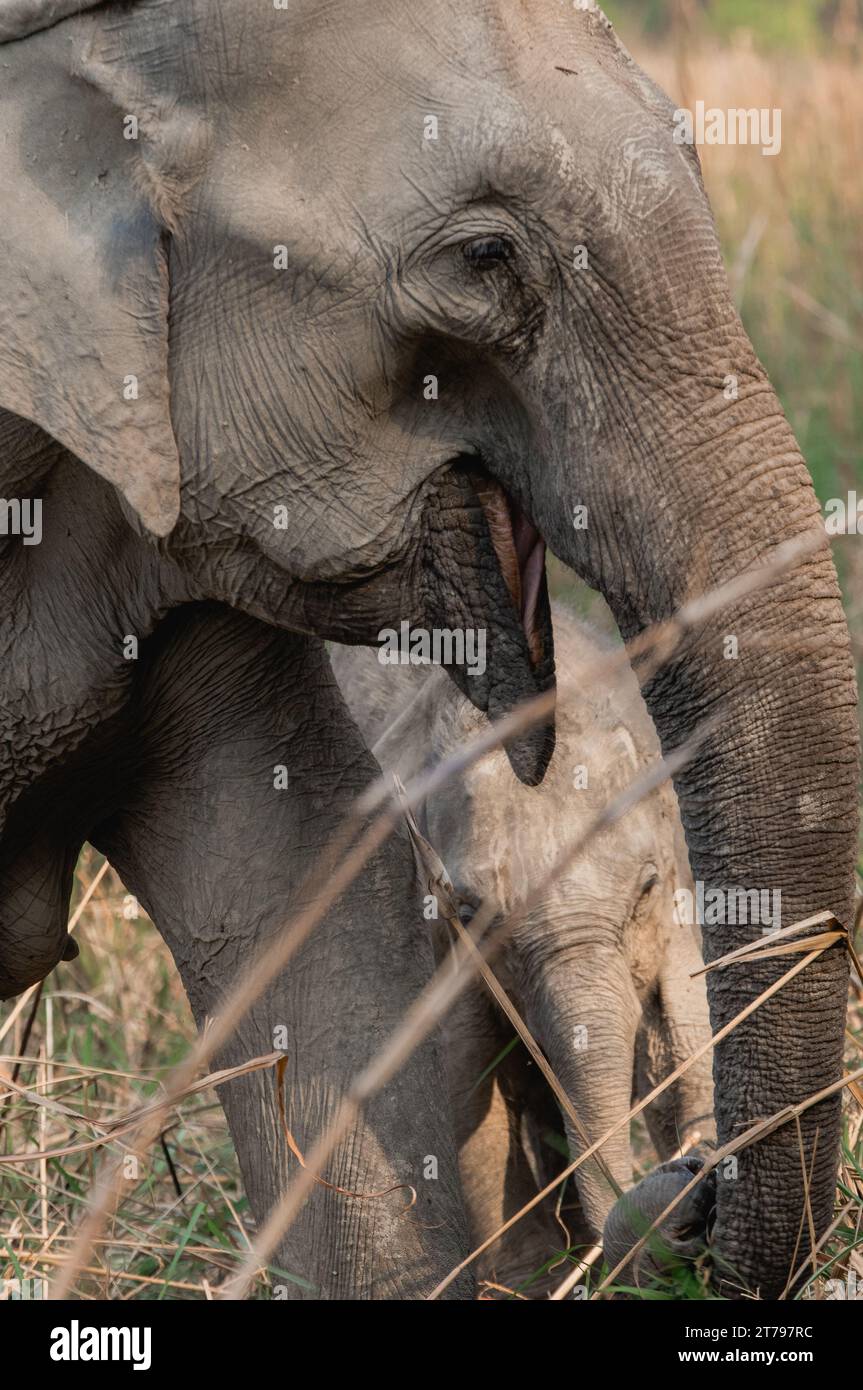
(769, 810)
(769, 807)
(582, 1006)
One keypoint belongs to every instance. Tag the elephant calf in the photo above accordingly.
(599, 970)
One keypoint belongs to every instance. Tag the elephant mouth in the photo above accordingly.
(520, 551)
(487, 563)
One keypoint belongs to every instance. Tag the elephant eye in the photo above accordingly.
(487, 251)
(468, 904)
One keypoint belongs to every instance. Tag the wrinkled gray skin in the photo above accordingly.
(153, 258)
(598, 969)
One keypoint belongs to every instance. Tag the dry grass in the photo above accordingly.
(107, 1027)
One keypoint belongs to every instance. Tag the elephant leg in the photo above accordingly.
(216, 846)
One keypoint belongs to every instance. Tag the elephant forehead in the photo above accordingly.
(377, 162)
(522, 832)
(362, 115)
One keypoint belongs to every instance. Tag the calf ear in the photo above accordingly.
(84, 290)
(407, 745)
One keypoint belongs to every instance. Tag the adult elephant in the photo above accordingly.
(335, 314)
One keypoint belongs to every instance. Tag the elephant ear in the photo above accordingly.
(84, 290)
(18, 18)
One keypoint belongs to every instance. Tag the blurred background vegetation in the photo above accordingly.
(802, 25)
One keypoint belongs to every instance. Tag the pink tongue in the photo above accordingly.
(520, 550)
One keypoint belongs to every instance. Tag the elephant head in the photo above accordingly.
(600, 967)
(337, 315)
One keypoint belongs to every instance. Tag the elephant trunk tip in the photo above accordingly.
(682, 1237)
(21, 973)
